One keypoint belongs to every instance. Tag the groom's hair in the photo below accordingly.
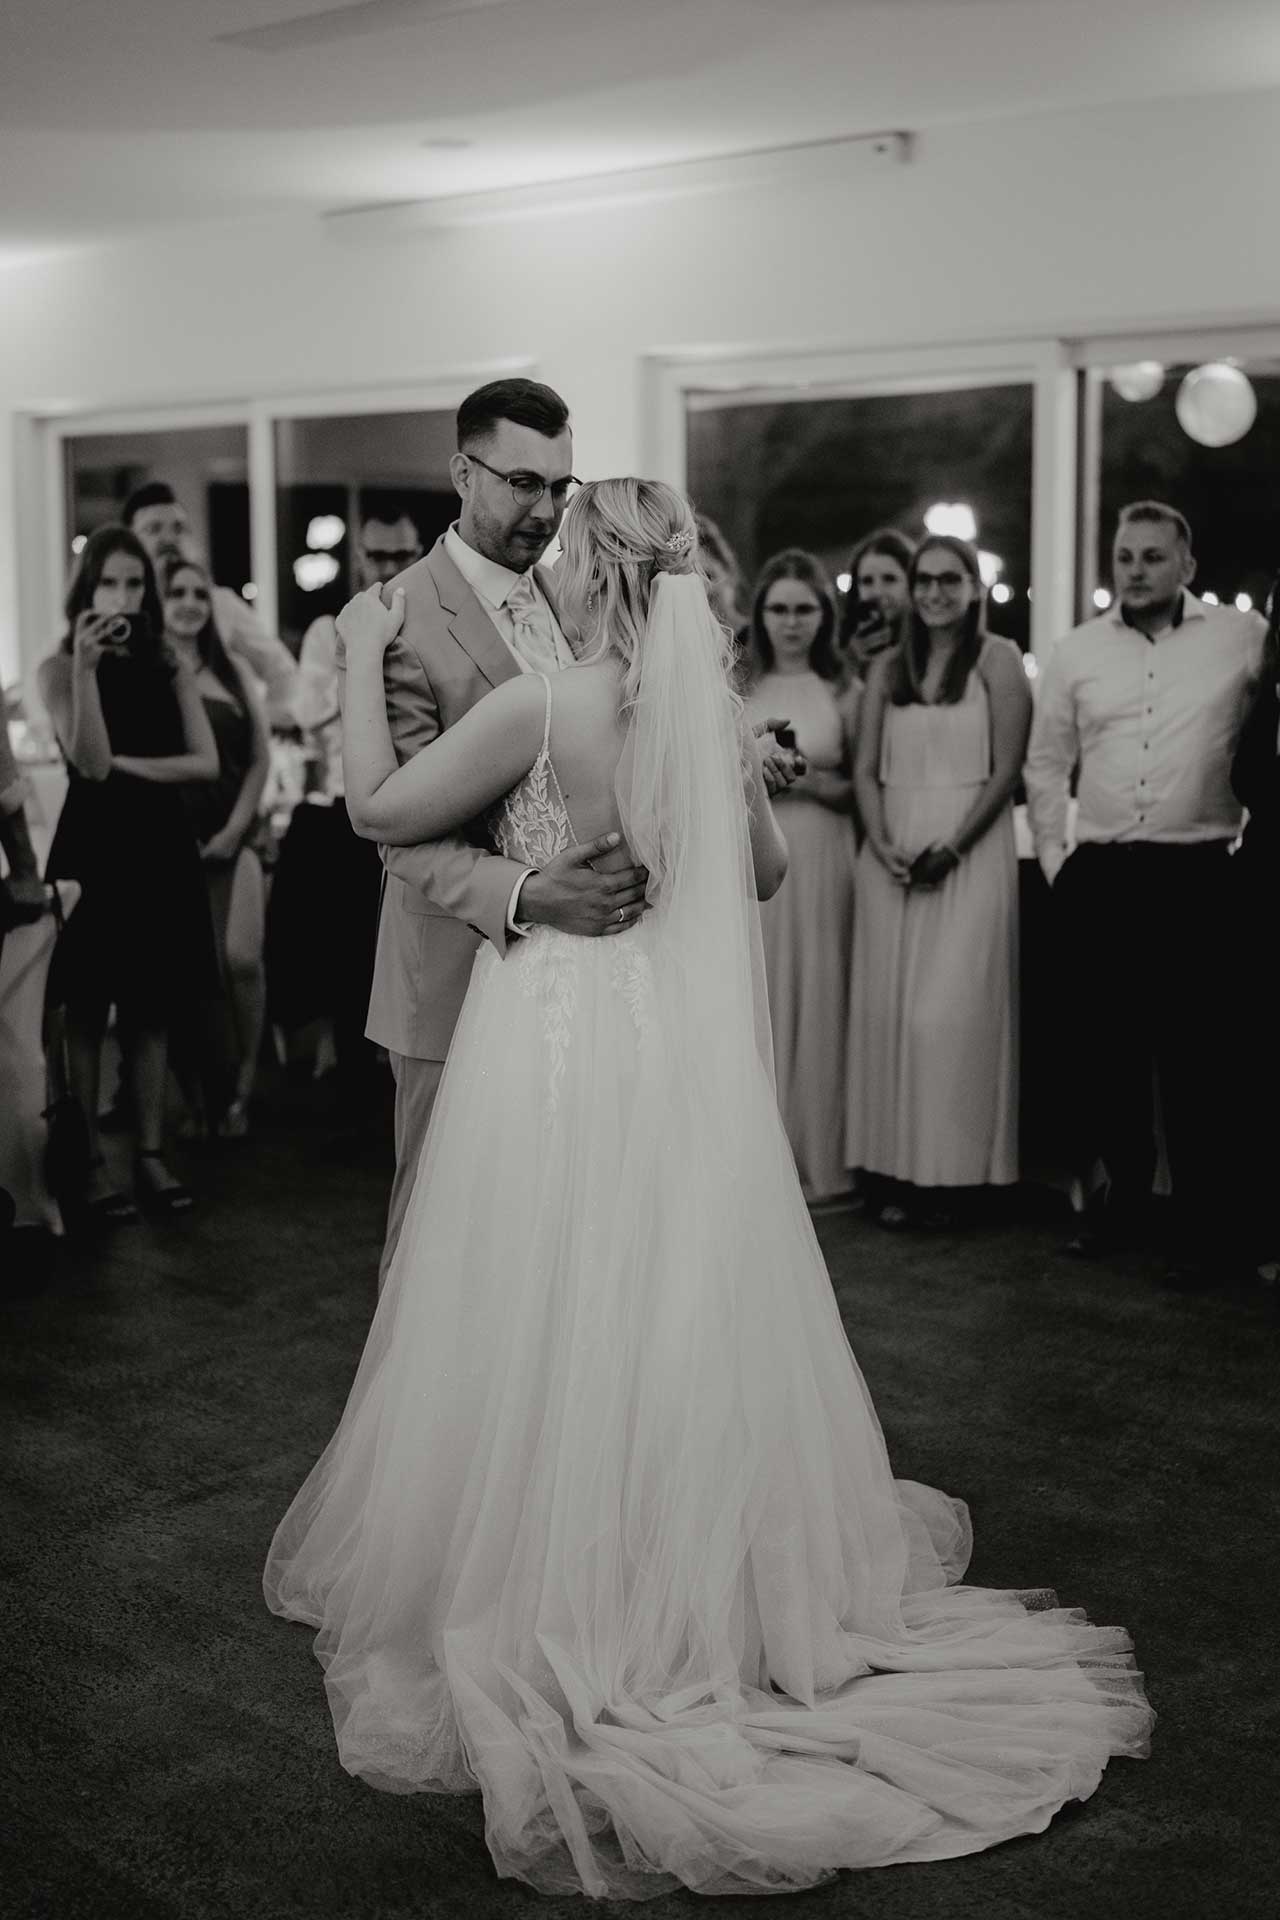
(526, 402)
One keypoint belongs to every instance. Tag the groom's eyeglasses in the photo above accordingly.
(527, 489)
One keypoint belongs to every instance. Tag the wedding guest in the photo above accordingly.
(155, 514)
(808, 926)
(323, 917)
(24, 1096)
(723, 574)
(133, 730)
(878, 602)
(1148, 699)
(223, 814)
(1255, 869)
(933, 1068)
(25, 894)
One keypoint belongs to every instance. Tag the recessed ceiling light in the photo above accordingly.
(447, 142)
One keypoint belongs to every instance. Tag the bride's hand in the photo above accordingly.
(366, 626)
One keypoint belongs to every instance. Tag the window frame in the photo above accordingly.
(43, 535)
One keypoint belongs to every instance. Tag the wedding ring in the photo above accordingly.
(622, 914)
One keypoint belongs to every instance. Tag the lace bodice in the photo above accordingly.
(531, 823)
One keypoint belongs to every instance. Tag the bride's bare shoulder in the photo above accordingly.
(592, 686)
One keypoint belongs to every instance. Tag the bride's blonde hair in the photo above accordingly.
(616, 538)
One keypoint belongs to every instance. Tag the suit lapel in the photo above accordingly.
(469, 624)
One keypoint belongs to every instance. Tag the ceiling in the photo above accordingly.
(138, 115)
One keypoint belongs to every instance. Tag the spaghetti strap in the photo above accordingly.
(546, 730)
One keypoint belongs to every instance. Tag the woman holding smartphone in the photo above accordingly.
(133, 731)
(807, 928)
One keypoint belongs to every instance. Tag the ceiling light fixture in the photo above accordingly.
(353, 22)
(783, 168)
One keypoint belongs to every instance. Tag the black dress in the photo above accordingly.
(141, 938)
(209, 803)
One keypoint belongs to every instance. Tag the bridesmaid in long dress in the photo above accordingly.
(808, 926)
(933, 1069)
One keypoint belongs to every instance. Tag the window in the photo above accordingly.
(332, 470)
(1149, 425)
(207, 467)
(822, 472)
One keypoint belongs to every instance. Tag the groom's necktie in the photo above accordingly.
(533, 634)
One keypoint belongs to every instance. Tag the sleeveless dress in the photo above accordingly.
(608, 1528)
(807, 929)
(933, 1029)
(209, 802)
(141, 937)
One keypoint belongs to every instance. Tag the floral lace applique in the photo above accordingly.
(531, 824)
(549, 963)
(632, 974)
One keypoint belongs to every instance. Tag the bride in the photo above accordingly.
(608, 1528)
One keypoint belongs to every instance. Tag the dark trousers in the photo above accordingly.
(322, 924)
(1148, 945)
(1255, 872)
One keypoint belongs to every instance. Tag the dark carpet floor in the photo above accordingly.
(166, 1747)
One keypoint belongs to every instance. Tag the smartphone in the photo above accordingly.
(786, 737)
(132, 634)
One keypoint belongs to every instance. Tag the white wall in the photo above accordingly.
(1161, 214)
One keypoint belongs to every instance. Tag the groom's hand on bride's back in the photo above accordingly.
(592, 889)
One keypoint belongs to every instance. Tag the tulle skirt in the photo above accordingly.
(608, 1529)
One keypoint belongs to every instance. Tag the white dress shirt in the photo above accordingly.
(493, 586)
(535, 640)
(1153, 724)
(267, 657)
(314, 704)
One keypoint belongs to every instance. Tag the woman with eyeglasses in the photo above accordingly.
(808, 926)
(933, 1066)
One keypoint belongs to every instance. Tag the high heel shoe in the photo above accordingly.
(172, 1197)
(113, 1208)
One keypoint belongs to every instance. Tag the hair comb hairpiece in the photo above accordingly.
(671, 555)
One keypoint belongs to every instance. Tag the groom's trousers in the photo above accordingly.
(417, 1083)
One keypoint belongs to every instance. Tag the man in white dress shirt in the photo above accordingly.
(322, 918)
(1147, 700)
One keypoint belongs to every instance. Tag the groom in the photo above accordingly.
(478, 610)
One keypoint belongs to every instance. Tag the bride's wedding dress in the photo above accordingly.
(608, 1527)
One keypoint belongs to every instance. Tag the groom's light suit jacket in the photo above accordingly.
(439, 899)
